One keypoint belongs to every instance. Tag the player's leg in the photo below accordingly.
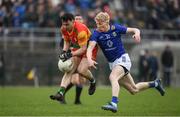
(86, 73)
(66, 90)
(128, 83)
(76, 80)
(59, 96)
(116, 74)
(66, 80)
(78, 94)
(120, 67)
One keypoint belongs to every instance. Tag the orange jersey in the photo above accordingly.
(78, 37)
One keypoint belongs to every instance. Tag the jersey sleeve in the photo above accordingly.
(94, 36)
(82, 38)
(121, 29)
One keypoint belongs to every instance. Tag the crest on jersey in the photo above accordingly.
(114, 34)
(112, 27)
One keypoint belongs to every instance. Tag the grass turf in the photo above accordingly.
(29, 101)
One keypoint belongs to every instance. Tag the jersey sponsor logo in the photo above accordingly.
(105, 37)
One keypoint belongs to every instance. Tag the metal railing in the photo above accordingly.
(34, 36)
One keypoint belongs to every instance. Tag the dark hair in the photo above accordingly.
(67, 17)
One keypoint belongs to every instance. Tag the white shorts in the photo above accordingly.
(124, 60)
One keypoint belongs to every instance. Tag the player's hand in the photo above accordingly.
(92, 63)
(61, 55)
(137, 37)
(65, 55)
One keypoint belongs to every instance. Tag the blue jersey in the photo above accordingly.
(110, 41)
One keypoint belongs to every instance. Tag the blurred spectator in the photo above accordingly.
(149, 14)
(8, 4)
(70, 6)
(20, 8)
(153, 22)
(167, 61)
(153, 66)
(131, 21)
(84, 6)
(41, 14)
(50, 16)
(2, 70)
(177, 22)
(143, 65)
(31, 18)
(16, 20)
(90, 19)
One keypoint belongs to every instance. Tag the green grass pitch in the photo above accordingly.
(29, 101)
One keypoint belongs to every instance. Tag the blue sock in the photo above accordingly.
(115, 99)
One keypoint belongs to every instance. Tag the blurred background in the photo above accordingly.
(30, 39)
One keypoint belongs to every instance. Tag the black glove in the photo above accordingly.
(61, 55)
(65, 55)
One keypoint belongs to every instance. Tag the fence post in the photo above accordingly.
(31, 40)
(5, 39)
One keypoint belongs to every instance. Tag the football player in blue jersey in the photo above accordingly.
(108, 37)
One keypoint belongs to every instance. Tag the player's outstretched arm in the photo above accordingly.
(66, 46)
(91, 62)
(136, 34)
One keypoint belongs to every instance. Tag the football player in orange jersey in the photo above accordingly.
(75, 80)
(76, 35)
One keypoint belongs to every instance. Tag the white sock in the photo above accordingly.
(156, 84)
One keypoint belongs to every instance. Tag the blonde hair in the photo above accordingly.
(102, 17)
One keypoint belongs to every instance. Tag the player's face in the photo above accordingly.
(79, 18)
(68, 25)
(102, 26)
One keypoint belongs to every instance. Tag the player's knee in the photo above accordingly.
(81, 70)
(111, 78)
(75, 80)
